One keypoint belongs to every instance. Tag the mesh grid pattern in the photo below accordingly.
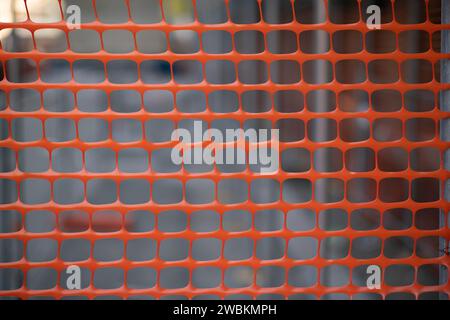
(345, 106)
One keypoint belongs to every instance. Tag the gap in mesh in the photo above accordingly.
(21, 13)
(204, 221)
(33, 159)
(269, 220)
(101, 191)
(291, 130)
(335, 275)
(397, 219)
(55, 70)
(361, 190)
(84, 41)
(366, 247)
(301, 220)
(20, 64)
(118, 41)
(417, 71)
(343, 11)
(200, 191)
(174, 249)
(12, 250)
(100, 160)
(92, 100)
(237, 220)
(232, 191)
(206, 277)
(187, 71)
(365, 219)
(270, 277)
(133, 160)
(93, 130)
(249, 42)
(414, 41)
(71, 221)
(432, 274)
(425, 159)
(429, 219)
(333, 219)
(277, 11)
(41, 278)
(161, 161)
(321, 100)
(380, 41)
(24, 100)
(350, 71)
(178, 11)
(145, 11)
(2, 94)
(50, 40)
(353, 100)
(410, 11)
(318, 71)
(399, 275)
(108, 250)
(60, 129)
(264, 190)
(35, 191)
(244, 11)
(167, 191)
(88, 71)
(285, 72)
(158, 101)
(75, 250)
(238, 248)
(220, 72)
(9, 191)
(86, 7)
(18, 40)
(184, 41)
(173, 277)
(314, 41)
(328, 160)
(211, 11)
(420, 129)
(392, 159)
(430, 247)
(206, 249)
(322, 129)
(125, 101)
(59, 100)
(329, 190)
(387, 129)
(36, 11)
(41, 250)
(386, 100)
(127, 130)
(216, 42)
(393, 190)
(256, 101)
(141, 249)
(139, 221)
(68, 191)
(172, 221)
(8, 160)
(385, 6)
(108, 278)
(347, 41)
(426, 189)
(302, 248)
(295, 160)
(310, 11)
(398, 247)
(106, 221)
(134, 191)
(85, 281)
(11, 221)
(111, 11)
(419, 100)
(288, 101)
(303, 276)
(383, 71)
(122, 71)
(297, 190)
(282, 41)
(141, 278)
(151, 41)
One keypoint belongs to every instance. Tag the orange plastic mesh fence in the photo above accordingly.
(364, 131)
